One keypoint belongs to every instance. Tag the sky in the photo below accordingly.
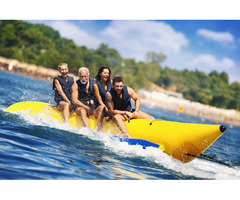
(203, 45)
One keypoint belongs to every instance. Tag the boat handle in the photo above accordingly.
(155, 120)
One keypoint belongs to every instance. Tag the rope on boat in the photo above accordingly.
(206, 157)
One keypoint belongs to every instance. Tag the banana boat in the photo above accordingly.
(183, 141)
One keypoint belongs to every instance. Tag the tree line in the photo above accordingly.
(41, 45)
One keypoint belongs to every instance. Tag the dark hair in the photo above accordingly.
(117, 79)
(98, 77)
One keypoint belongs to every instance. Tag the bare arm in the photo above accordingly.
(137, 100)
(60, 91)
(135, 97)
(75, 97)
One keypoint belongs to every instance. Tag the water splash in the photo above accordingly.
(197, 168)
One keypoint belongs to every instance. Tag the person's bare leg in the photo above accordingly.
(144, 115)
(119, 120)
(109, 102)
(83, 114)
(64, 106)
(98, 113)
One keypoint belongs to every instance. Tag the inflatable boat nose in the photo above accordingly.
(222, 128)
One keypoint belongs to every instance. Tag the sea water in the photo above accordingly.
(33, 149)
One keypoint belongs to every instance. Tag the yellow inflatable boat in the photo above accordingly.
(183, 141)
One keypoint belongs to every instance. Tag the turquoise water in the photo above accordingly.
(31, 149)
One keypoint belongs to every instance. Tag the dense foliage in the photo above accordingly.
(213, 88)
(41, 45)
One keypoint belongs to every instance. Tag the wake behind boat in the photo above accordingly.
(183, 141)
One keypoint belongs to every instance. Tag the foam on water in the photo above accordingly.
(197, 168)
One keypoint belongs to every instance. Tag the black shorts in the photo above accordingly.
(105, 114)
(132, 111)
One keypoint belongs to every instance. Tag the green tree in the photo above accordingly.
(109, 54)
(224, 77)
(153, 57)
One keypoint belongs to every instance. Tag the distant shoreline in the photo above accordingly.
(160, 100)
(153, 98)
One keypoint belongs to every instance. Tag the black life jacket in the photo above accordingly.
(123, 103)
(66, 87)
(83, 96)
(102, 90)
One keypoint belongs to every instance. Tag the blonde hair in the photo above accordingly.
(83, 68)
(61, 64)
